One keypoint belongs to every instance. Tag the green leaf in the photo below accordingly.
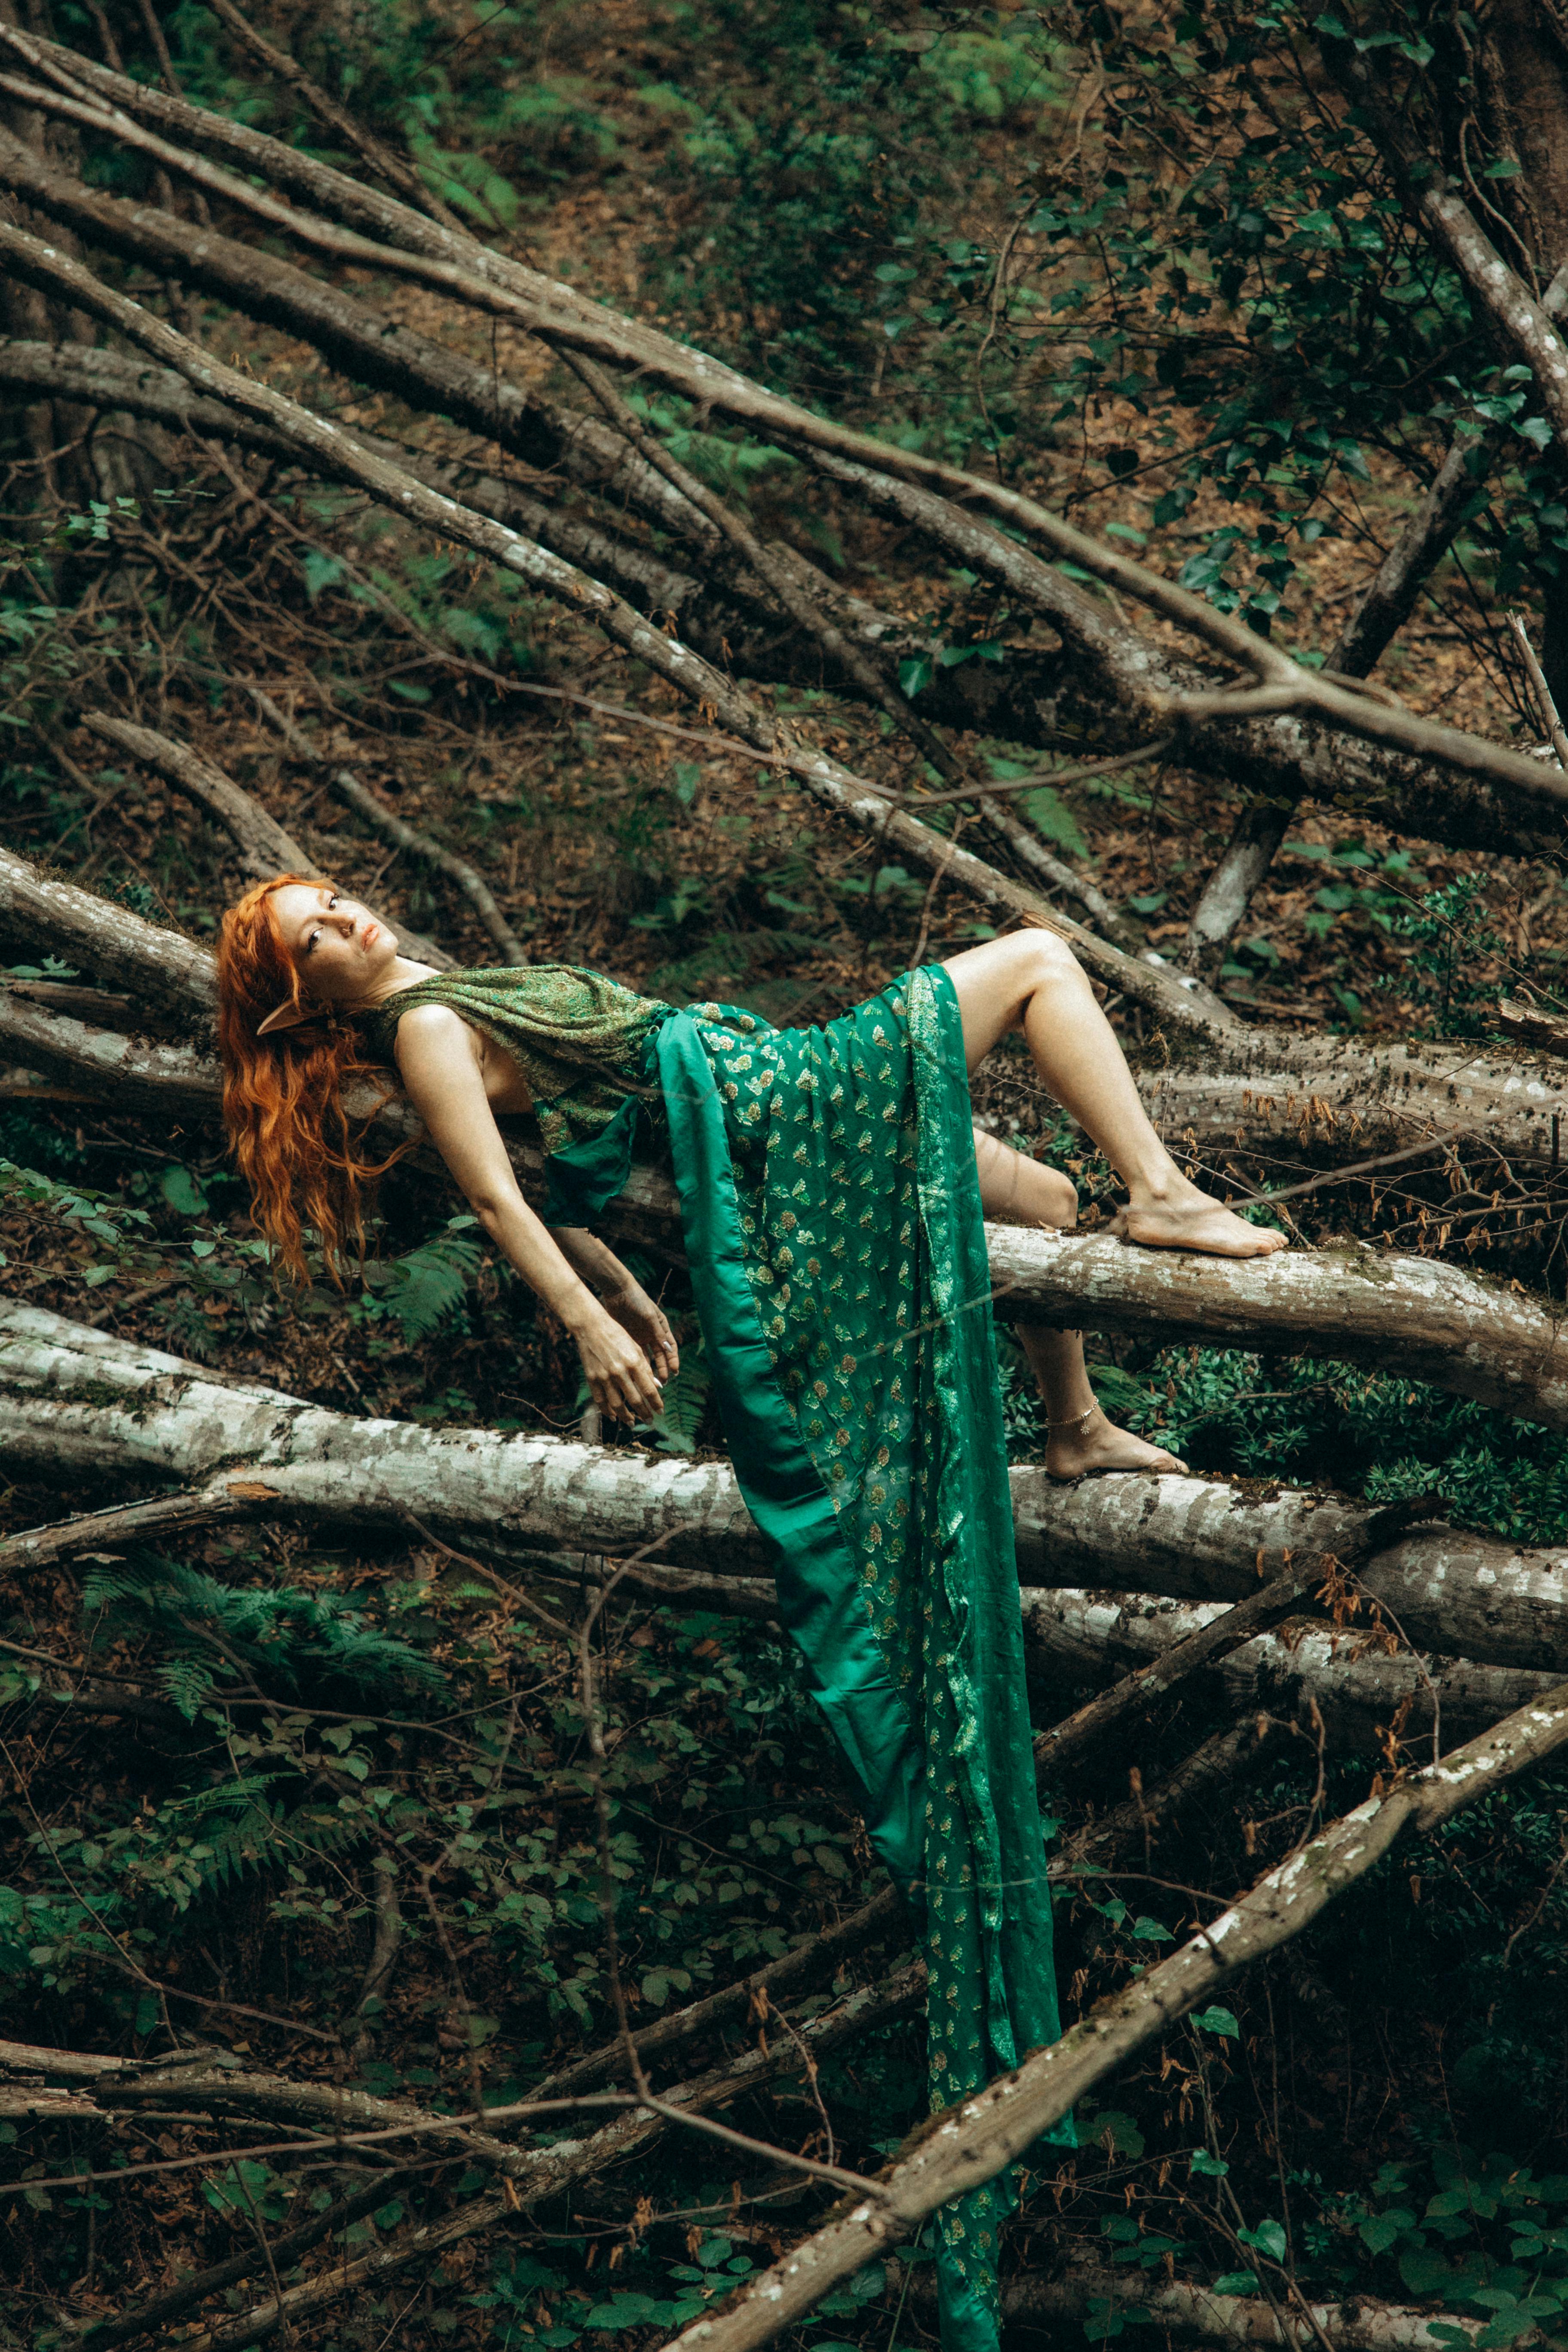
(1379, 2233)
(1053, 820)
(1424, 2270)
(1236, 2282)
(1116, 2130)
(183, 1192)
(623, 2311)
(914, 675)
(1217, 2021)
(1212, 2167)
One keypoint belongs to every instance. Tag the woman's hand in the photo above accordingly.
(647, 1322)
(620, 1378)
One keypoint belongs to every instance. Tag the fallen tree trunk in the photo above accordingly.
(154, 965)
(1351, 1675)
(84, 1405)
(1312, 1091)
(1091, 2290)
(1357, 1675)
(971, 2144)
(1415, 1317)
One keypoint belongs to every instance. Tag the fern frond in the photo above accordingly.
(425, 1288)
(294, 1638)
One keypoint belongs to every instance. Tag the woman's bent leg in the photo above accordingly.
(1033, 979)
(1019, 1190)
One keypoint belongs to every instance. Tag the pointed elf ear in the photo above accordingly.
(289, 1015)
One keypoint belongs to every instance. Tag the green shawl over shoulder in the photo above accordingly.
(833, 1226)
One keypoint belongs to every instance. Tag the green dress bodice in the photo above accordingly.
(580, 1041)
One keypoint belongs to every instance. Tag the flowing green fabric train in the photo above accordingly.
(834, 1231)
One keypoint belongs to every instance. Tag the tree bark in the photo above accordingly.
(1355, 1684)
(1183, 2307)
(1371, 1097)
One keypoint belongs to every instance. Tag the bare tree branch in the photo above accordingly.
(963, 2146)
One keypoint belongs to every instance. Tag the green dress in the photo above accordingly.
(833, 1227)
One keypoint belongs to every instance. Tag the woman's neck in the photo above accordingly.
(404, 973)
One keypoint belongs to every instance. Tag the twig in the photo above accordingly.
(1545, 702)
(1137, 759)
(1064, 1741)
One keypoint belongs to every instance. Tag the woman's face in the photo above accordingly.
(342, 951)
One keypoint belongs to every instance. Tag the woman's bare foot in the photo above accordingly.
(1098, 1445)
(1194, 1222)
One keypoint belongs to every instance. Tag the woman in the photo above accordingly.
(832, 1193)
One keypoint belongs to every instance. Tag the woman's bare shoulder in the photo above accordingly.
(425, 1025)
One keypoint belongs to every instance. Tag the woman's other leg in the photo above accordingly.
(1019, 1191)
(1031, 978)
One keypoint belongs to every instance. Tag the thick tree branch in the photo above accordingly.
(264, 846)
(1061, 1744)
(1183, 2307)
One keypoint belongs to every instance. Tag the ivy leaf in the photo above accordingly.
(1218, 2021)
(914, 675)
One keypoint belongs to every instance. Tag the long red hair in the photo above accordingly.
(283, 1094)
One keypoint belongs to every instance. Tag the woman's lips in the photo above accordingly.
(370, 935)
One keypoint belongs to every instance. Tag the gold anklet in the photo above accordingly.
(1077, 1421)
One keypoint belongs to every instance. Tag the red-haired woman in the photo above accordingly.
(833, 1194)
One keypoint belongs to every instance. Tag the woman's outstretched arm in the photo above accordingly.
(439, 1062)
(621, 1295)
